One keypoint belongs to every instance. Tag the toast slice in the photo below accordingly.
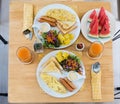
(66, 27)
(55, 61)
(50, 67)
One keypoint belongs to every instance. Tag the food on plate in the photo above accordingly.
(54, 39)
(95, 49)
(105, 31)
(51, 39)
(70, 83)
(52, 21)
(92, 16)
(27, 17)
(61, 56)
(99, 25)
(69, 62)
(80, 46)
(75, 76)
(24, 54)
(63, 28)
(53, 83)
(65, 39)
(50, 67)
(67, 84)
(72, 76)
(104, 24)
(61, 15)
(65, 24)
(44, 27)
(93, 30)
(53, 59)
(48, 18)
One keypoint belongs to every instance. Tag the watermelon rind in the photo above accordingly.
(93, 36)
(104, 35)
(89, 20)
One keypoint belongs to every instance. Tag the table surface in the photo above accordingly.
(22, 83)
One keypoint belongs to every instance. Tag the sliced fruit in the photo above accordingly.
(101, 13)
(102, 20)
(99, 25)
(94, 28)
(105, 31)
(93, 22)
(92, 15)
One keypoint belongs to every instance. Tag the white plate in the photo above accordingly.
(49, 91)
(85, 26)
(43, 11)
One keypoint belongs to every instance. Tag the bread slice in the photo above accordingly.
(55, 61)
(66, 27)
(51, 67)
(66, 24)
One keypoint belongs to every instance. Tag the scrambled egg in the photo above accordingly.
(53, 83)
(61, 14)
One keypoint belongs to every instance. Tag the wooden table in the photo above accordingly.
(23, 86)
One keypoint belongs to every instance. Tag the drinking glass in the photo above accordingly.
(95, 50)
(25, 55)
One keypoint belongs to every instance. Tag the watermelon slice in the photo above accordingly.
(105, 31)
(101, 13)
(92, 15)
(94, 28)
(102, 21)
(93, 22)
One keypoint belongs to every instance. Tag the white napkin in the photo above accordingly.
(116, 58)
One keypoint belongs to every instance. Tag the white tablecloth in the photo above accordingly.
(116, 58)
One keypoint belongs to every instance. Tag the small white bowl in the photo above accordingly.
(42, 27)
(74, 76)
(80, 49)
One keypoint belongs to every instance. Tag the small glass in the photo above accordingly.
(38, 46)
(25, 55)
(95, 50)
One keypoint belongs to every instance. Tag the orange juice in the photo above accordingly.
(24, 54)
(95, 49)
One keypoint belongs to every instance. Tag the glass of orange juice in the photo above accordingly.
(95, 50)
(25, 55)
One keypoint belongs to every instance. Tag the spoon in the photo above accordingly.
(96, 67)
